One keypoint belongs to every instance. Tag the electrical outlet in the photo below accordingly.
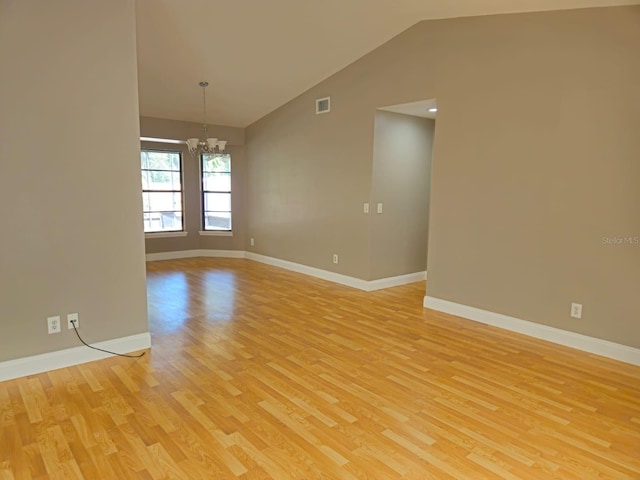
(335, 258)
(53, 324)
(71, 319)
(252, 241)
(576, 310)
(365, 209)
(379, 208)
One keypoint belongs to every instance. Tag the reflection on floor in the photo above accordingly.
(261, 373)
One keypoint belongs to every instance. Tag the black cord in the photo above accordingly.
(105, 351)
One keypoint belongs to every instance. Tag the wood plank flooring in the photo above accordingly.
(261, 373)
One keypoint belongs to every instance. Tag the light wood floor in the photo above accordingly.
(260, 373)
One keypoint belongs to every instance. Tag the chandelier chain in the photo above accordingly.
(204, 107)
(208, 145)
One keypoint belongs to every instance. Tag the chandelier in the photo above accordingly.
(208, 145)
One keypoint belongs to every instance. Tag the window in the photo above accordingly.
(216, 191)
(161, 191)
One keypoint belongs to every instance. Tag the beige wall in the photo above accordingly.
(402, 152)
(174, 129)
(70, 207)
(535, 160)
(309, 176)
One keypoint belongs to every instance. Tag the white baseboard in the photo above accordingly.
(306, 270)
(223, 253)
(604, 348)
(22, 367)
(150, 257)
(366, 285)
(396, 281)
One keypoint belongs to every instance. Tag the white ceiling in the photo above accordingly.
(259, 54)
(416, 109)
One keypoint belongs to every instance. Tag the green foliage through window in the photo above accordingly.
(161, 191)
(216, 191)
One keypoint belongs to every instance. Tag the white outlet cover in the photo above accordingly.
(71, 317)
(53, 324)
(576, 310)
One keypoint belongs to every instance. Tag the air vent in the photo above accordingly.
(323, 105)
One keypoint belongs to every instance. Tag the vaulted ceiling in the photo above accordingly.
(259, 54)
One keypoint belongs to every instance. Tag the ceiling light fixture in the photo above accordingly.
(433, 109)
(209, 145)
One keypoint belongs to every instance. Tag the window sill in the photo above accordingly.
(216, 233)
(165, 234)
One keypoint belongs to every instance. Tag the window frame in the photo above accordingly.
(165, 233)
(204, 191)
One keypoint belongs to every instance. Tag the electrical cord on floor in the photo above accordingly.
(100, 349)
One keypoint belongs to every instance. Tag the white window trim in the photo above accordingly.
(165, 234)
(213, 233)
(216, 233)
(181, 233)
